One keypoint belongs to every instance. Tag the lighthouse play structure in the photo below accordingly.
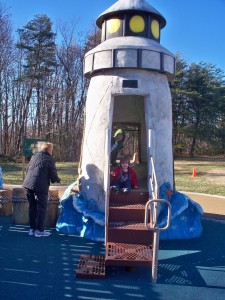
(129, 73)
(129, 76)
(129, 90)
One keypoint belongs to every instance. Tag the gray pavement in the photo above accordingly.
(44, 268)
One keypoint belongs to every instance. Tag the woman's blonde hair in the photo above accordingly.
(46, 146)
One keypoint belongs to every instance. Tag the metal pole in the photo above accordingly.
(155, 256)
(106, 180)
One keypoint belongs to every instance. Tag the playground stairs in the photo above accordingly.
(129, 243)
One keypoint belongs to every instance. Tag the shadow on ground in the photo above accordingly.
(44, 268)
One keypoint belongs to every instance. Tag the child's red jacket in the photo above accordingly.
(132, 175)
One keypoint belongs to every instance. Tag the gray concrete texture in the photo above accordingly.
(149, 104)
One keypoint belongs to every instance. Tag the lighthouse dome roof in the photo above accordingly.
(130, 5)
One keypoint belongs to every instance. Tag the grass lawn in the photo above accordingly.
(210, 174)
(13, 173)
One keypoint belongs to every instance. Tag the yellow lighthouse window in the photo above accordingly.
(137, 24)
(155, 29)
(113, 25)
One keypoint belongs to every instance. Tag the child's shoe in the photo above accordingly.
(124, 191)
(114, 189)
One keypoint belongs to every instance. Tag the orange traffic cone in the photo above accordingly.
(194, 174)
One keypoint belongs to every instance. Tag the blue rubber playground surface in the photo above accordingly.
(44, 268)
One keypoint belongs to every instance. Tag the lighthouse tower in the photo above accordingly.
(129, 76)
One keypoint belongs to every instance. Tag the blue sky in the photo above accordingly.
(195, 28)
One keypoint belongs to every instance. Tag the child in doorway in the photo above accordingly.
(124, 177)
(116, 145)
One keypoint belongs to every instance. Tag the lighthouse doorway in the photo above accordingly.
(129, 114)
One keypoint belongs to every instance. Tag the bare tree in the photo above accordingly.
(6, 54)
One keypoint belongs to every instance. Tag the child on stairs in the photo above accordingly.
(124, 177)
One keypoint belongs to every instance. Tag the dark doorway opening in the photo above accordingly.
(132, 142)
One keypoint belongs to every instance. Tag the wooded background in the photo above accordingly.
(43, 92)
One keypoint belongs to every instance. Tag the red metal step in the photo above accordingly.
(134, 196)
(91, 266)
(126, 212)
(120, 254)
(129, 232)
(128, 240)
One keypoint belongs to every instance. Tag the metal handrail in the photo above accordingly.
(154, 191)
(155, 201)
(153, 180)
(154, 228)
(156, 231)
(107, 180)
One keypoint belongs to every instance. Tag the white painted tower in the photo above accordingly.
(130, 73)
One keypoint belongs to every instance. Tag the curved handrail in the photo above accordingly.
(154, 228)
(153, 180)
(154, 194)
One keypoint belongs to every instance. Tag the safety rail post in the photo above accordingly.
(150, 154)
(156, 232)
(153, 190)
(153, 184)
(106, 180)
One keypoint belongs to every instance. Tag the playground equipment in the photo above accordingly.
(129, 76)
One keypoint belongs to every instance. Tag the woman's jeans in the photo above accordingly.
(38, 203)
